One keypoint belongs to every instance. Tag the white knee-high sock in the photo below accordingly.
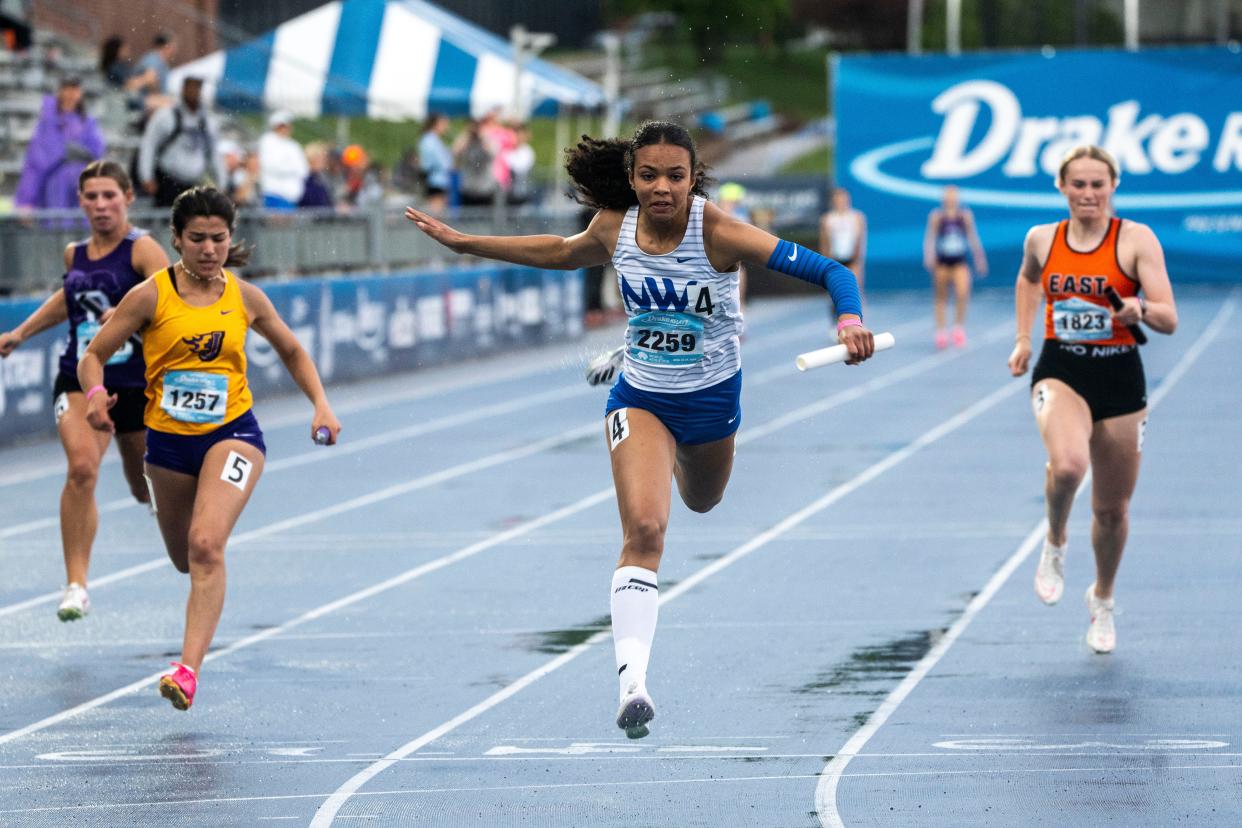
(635, 606)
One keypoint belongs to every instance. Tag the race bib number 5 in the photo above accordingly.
(195, 396)
(1077, 320)
(666, 338)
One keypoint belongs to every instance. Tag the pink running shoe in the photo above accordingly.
(179, 686)
(959, 336)
(942, 340)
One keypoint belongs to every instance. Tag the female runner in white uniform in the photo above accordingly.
(674, 410)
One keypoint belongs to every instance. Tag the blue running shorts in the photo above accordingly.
(692, 417)
(185, 452)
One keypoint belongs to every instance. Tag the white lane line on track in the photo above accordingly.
(826, 789)
(670, 757)
(306, 518)
(327, 812)
(378, 439)
(319, 455)
(702, 780)
(349, 447)
(481, 375)
(745, 436)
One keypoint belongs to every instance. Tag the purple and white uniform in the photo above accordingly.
(92, 286)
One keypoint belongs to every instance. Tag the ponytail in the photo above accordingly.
(600, 169)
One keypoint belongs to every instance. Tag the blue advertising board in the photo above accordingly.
(997, 125)
(352, 327)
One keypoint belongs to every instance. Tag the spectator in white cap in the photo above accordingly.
(282, 164)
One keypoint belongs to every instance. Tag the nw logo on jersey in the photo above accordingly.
(664, 295)
(206, 345)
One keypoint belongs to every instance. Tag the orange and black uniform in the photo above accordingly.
(197, 393)
(1083, 346)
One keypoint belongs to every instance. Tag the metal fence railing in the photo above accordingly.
(305, 242)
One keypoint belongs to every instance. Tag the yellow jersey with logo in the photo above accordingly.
(196, 360)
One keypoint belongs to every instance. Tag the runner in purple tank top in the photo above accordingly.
(99, 271)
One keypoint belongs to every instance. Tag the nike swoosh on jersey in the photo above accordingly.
(680, 260)
(222, 313)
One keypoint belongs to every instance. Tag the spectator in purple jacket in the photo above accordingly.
(64, 142)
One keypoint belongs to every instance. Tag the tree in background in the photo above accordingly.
(714, 24)
(986, 24)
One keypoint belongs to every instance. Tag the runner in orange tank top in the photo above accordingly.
(1087, 389)
(205, 450)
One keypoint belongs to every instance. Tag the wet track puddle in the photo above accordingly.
(877, 664)
(873, 670)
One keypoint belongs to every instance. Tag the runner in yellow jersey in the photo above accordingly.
(205, 449)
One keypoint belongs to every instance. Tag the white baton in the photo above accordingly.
(838, 353)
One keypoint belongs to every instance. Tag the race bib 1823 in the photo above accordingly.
(1077, 320)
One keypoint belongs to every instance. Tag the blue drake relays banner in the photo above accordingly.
(997, 125)
(353, 327)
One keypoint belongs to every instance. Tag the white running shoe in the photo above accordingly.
(603, 369)
(1050, 575)
(636, 710)
(74, 604)
(1101, 635)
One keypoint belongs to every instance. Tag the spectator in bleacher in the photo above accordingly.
(500, 140)
(407, 176)
(14, 24)
(521, 161)
(65, 140)
(436, 162)
(159, 60)
(141, 87)
(473, 161)
(179, 147)
(233, 157)
(282, 164)
(317, 191)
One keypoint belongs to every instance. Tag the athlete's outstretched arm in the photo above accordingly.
(267, 323)
(591, 247)
(132, 315)
(730, 241)
(48, 315)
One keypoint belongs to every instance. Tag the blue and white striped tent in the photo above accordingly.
(392, 59)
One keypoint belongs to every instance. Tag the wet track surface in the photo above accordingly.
(431, 596)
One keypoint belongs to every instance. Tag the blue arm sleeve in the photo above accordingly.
(807, 265)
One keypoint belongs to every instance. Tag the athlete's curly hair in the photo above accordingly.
(601, 168)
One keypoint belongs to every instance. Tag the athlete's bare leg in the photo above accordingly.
(174, 506)
(217, 505)
(960, 275)
(643, 456)
(1064, 422)
(79, 517)
(132, 445)
(1115, 459)
(940, 294)
(703, 471)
